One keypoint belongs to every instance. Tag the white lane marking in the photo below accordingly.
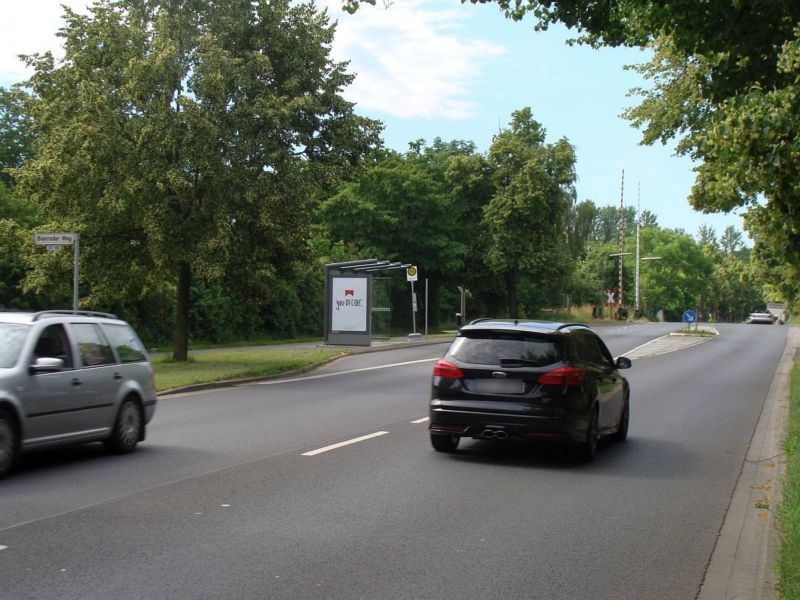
(400, 364)
(421, 420)
(347, 443)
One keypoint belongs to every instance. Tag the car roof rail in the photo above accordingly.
(84, 313)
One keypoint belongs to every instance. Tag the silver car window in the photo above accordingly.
(53, 343)
(12, 336)
(124, 340)
(92, 345)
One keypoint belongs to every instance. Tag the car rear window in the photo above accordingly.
(126, 343)
(494, 348)
(12, 336)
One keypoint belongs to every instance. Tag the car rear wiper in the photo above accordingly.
(510, 362)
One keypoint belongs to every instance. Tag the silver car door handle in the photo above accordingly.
(77, 381)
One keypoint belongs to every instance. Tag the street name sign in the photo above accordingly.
(54, 239)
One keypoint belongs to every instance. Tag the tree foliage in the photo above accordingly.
(527, 217)
(190, 138)
(16, 132)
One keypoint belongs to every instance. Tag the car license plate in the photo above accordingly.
(496, 386)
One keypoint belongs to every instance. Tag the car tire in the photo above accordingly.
(444, 443)
(9, 443)
(128, 429)
(621, 434)
(586, 450)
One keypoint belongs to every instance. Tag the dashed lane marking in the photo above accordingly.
(347, 443)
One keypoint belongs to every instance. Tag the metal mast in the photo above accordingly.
(637, 307)
(621, 233)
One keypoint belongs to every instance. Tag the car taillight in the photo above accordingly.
(563, 376)
(444, 369)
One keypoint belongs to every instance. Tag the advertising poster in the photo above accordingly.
(349, 308)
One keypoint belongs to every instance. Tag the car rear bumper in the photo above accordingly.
(482, 424)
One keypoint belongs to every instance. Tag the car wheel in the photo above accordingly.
(622, 433)
(444, 443)
(9, 443)
(127, 429)
(586, 451)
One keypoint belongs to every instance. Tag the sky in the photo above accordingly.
(440, 68)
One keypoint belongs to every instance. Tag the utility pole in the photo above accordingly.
(621, 234)
(636, 303)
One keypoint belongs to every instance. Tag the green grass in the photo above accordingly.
(210, 366)
(266, 341)
(693, 331)
(788, 566)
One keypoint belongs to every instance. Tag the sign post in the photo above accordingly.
(690, 317)
(53, 243)
(411, 277)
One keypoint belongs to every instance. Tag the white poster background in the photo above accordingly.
(349, 304)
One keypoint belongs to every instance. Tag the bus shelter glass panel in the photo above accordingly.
(381, 308)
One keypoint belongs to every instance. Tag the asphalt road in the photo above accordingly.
(246, 492)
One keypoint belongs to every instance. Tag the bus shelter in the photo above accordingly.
(348, 300)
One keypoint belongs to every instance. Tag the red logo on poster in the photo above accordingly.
(349, 292)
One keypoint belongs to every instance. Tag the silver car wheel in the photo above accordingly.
(127, 429)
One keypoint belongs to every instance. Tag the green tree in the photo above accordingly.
(707, 237)
(606, 226)
(415, 208)
(189, 138)
(526, 218)
(12, 207)
(731, 241)
(768, 257)
(648, 219)
(681, 279)
(579, 227)
(16, 132)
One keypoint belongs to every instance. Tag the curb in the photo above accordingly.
(741, 563)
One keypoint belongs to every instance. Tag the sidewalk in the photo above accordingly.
(741, 564)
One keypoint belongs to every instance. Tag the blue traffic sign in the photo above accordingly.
(689, 316)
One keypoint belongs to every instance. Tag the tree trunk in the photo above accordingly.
(180, 345)
(511, 291)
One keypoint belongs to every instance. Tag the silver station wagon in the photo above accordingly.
(71, 377)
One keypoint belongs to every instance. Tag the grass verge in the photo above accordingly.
(694, 332)
(788, 566)
(221, 365)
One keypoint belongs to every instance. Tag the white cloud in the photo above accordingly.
(29, 27)
(411, 60)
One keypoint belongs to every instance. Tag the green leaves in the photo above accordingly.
(191, 131)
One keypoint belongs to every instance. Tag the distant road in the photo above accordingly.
(326, 486)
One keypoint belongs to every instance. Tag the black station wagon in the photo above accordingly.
(532, 380)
